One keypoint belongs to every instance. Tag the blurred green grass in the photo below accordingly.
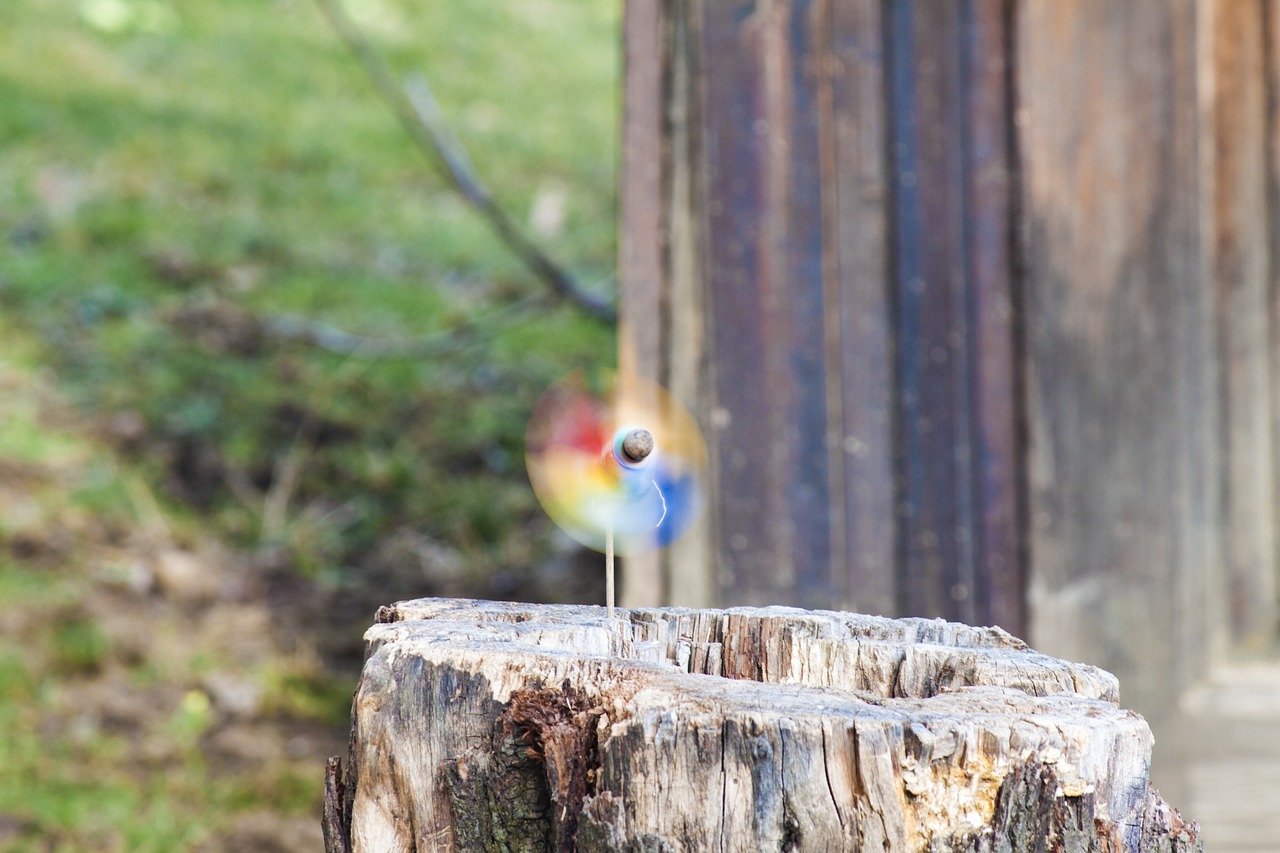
(174, 173)
(234, 154)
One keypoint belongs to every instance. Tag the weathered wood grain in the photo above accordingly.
(661, 328)
(643, 238)
(756, 158)
(823, 269)
(1236, 208)
(1121, 408)
(997, 446)
(933, 347)
(863, 397)
(1271, 51)
(484, 726)
(1049, 295)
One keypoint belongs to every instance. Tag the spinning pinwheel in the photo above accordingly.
(618, 466)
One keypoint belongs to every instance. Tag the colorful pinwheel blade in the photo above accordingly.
(590, 487)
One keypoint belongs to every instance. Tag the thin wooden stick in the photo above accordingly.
(608, 570)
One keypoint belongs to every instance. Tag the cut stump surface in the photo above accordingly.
(509, 727)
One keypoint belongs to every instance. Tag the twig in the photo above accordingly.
(453, 155)
(288, 472)
(420, 116)
(154, 526)
(322, 335)
(206, 313)
(239, 484)
(275, 504)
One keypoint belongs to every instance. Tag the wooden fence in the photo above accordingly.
(978, 303)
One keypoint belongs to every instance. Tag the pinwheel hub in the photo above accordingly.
(636, 445)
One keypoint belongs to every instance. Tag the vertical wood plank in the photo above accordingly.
(687, 566)
(1235, 122)
(934, 459)
(642, 274)
(838, 575)
(996, 383)
(1197, 574)
(1118, 333)
(763, 277)
(864, 454)
(844, 176)
(1271, 50)
(749, 509)
(641, 240)
(795, 135)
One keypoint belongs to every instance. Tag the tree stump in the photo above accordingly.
(481, 726)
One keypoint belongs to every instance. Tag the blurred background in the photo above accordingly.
(975, 302)
(262, 370)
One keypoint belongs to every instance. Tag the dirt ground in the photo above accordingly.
(161, 660)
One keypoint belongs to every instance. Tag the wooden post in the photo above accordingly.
(486, 726)
(816, 254)
(984, 313)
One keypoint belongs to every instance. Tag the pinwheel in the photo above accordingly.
(618, 464)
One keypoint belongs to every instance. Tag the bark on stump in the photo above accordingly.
(509, 727)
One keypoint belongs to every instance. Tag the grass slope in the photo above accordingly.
(164, 186)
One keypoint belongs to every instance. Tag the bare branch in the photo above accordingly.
(452, 153)
(420, 116)
(219, 323)
(322, 335)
